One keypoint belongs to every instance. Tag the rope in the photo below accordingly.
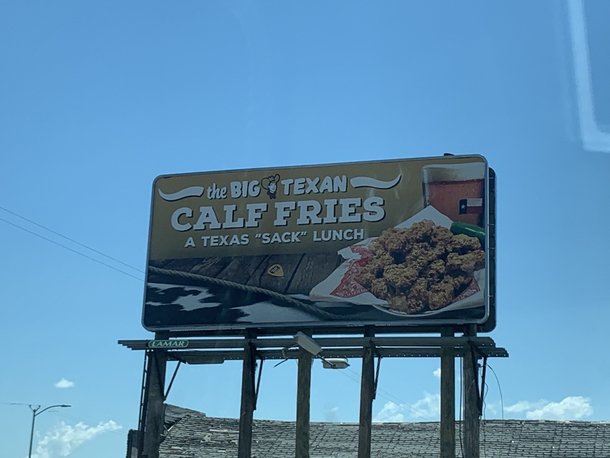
(254, 289)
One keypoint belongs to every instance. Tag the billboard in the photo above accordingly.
(401, 244)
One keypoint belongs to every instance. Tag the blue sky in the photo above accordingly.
(99, 98)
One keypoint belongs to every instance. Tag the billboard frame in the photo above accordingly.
(486, 324)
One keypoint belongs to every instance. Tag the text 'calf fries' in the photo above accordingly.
(423, 267)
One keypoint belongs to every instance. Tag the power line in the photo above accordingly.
(500, 390)
(70, 249)
(413, 410)
(68, 238)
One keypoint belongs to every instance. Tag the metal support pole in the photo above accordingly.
(471, 401)
(303, 397)
(32, 432)
(447, 398)
(244, 446)
(35, 413)
(157, 363)
(143, 404)
(367, 394)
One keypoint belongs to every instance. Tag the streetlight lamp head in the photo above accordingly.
(35, 413)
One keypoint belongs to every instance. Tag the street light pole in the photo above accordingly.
(34, 409)
(35, 413)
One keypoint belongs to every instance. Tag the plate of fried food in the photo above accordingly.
(424, 266)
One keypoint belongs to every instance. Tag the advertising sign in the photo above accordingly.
(395, 244)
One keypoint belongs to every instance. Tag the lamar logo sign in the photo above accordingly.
(168, 343)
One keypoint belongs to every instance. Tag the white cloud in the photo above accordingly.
(64, 439)
(63, 383)
(570, 408)
(522, 406)
(331, 415)
(390, 412)
(427, 408)
(493, 408)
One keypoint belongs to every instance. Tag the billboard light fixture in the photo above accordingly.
(335, 363)
(307, 343)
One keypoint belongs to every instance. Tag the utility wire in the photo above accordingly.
(500, 390)
(68, 238)
(357, 380)
(483, 426)
(413, 410)
(70, 249)
(501, 400)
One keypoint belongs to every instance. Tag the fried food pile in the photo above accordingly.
(420, 268)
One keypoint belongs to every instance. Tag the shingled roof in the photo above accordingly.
(193, 434)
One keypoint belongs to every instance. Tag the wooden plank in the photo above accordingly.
(287, 265)
(301, 272)
(381, 342)
(183, 265)
(160, 264)
(312, 269)
(447, 397)
(239, 270)
(157, 363)
(211, 267)
(244, 445)
(367, 394)
(471, 401)
(303, 396)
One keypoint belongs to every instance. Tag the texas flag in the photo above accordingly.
(471, 206)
